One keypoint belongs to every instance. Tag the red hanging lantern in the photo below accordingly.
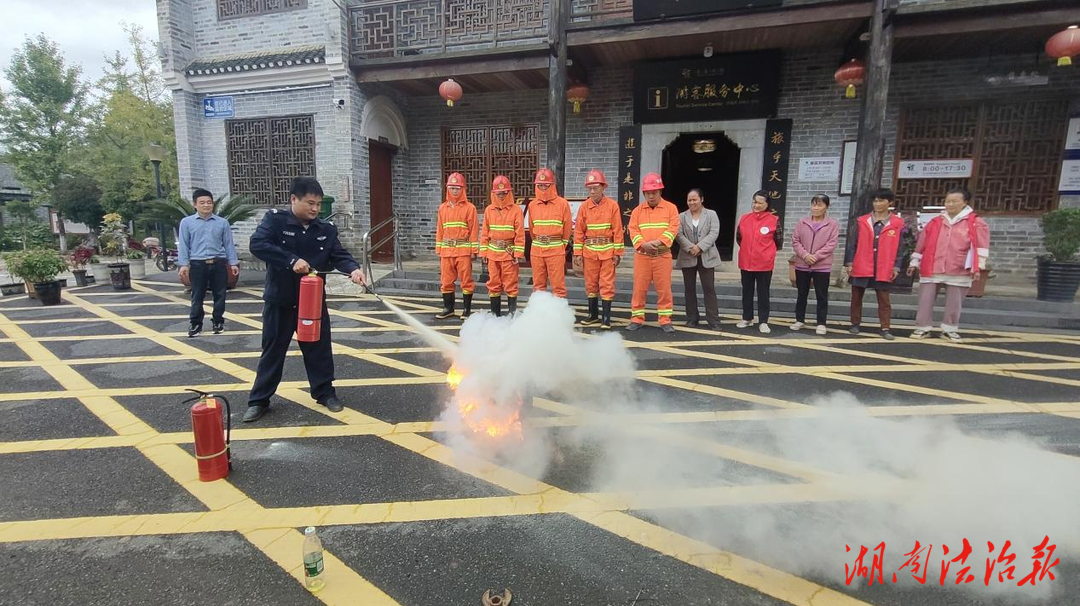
(451, 91)
(849, 75)
(577, 95)
(1064, 45)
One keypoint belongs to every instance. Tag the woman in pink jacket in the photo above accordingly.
(950, 253)
(814, 241)
(758, 237)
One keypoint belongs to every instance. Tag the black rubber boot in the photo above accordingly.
(448, 306)
(496, 305)
(468, 306)
(511, 305)
(605, 316)
(594, 312)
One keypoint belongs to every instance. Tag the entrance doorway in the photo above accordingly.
(710, 162)
(381, 186)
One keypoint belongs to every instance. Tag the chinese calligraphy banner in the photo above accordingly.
(629, 173)
(725, 87)
(774, 172)
(645, 10)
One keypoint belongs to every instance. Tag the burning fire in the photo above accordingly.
(484, 418)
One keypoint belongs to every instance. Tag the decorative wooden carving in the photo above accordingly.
(265, 154)
(481, 152)
(1016, 146)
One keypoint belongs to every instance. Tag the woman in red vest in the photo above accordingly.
(950, 253)
(758, 237)
(873, 259)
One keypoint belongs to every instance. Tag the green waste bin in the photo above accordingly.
(327, 207)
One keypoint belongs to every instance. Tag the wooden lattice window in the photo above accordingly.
(232, 9)
(482, 152)
(266, 153)
(1016, 147)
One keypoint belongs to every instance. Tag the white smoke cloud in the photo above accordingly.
(887, 480)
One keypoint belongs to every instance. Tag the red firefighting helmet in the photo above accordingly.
(455, 179)
(544, 175)
(595, 177)
(501, 183)
(652, 182)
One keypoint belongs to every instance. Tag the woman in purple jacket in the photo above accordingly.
(814, 241)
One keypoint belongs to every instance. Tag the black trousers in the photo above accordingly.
(279, 324)
(820, 279)
(205, 275)
(760, 280)
(708, 292)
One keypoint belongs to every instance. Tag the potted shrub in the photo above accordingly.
(78, 260)
(1058, 273)
(14, 287)
(137, 264)
(113, 240)
(39, 267)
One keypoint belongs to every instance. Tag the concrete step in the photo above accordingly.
(985, 312)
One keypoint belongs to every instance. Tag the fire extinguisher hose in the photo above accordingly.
(228, 424)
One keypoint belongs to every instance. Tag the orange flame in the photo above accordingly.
(485, 418)
(454, 377)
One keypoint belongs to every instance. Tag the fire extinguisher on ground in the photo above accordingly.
(212, 435)
(309, 309)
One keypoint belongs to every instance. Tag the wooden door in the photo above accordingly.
(382, 197)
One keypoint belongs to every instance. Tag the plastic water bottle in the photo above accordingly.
(313, 561)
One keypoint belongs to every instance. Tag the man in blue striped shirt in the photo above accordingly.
(205, 248)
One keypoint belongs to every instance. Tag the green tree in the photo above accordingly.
(24, 212)
(43, 115)
(79, 199)
(135, 111)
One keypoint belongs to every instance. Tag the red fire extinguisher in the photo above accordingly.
(309, 310)
(211, 439)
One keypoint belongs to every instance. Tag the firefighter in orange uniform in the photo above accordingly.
(598, 246)
(549, 226)
(653, 226)
(457, 245)
(502, 244)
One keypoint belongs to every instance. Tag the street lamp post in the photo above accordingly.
(156, 153)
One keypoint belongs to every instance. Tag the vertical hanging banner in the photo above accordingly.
(629, 173)
(774, 172)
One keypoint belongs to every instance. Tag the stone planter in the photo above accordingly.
(137, 268)
(120, 276)
(80, 277)
(12, 289)
(1057, 280)
(48, 292)
(100, 272)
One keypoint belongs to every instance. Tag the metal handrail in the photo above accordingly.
(366, 246)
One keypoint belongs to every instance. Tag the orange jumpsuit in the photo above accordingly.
(598, 239)
(456, 243)
(550, 227)
(646, 224)
(503, 239)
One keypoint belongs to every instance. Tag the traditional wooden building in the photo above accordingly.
(726, 95)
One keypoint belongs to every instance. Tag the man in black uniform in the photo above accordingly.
(293, 243)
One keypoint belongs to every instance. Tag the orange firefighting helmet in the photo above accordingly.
(652, 182)
(500, 184)
(455, 179)
(595, 177)
(544, 175)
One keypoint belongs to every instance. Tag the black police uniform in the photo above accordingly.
(281, 240)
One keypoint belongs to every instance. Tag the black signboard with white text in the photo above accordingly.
(774, 170)
(629, 173)
(645, 10)
(726, 87)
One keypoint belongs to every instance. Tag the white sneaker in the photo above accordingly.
(919, 333)
(797, 326)
(951, 336)
(743, 324)
(820, 330)
(764, 328)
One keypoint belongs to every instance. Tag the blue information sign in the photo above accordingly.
(218, 107)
